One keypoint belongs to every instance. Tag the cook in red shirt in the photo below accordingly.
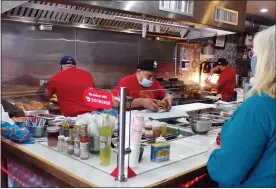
(226, 82)
(143, 87)
(69, 86)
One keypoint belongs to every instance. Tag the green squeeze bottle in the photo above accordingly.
(105, 132)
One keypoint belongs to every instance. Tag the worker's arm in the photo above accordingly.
(146, 103)
(50, 90)
(168, 98)
(213, 85)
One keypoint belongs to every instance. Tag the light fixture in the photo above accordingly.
(263, 10)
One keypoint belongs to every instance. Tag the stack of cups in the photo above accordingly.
(136, 136)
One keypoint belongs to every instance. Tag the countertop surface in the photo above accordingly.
(96, 177)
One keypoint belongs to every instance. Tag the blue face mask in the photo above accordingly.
(253, 64)
(146, 83)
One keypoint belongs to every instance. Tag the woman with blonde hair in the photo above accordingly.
(247, 155)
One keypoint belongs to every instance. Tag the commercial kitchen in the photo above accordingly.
(183, 47)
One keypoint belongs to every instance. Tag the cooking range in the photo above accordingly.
(176, 88)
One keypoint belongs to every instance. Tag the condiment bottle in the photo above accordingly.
(156, 129)
(70, 149)
(105, 140)
(84, 142)
(148, 125)
(163, 128)
(65, 144)
(160, 139)
(60, 143)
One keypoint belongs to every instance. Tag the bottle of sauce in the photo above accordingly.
(84, 142)
(163, 128)
(105, 132)
(156, 129)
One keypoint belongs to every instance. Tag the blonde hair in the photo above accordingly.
(265, 76)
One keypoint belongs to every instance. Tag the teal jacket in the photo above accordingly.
(247, 157)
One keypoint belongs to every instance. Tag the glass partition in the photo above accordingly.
(91, 135)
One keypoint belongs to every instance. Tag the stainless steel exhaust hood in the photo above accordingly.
(135, 16)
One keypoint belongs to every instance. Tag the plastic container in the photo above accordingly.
(156, 129)
(148, 125)
(163, 127)
(52, 135)
(136, 135)
(60, 143)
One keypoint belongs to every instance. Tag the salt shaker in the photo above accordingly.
(60, 143)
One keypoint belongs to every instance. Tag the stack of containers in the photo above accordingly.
(136, 136)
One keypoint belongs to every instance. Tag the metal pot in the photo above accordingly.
(200, 124)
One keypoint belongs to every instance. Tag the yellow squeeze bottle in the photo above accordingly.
(105, 132)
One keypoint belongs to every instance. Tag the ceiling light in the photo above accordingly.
(263, 10)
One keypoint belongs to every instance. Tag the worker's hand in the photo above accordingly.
(149, 104)
(169, 101)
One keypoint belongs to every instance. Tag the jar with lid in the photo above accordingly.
(84, 142)
(65, 144)
(52, 136)
(70, 150)
(60, 143)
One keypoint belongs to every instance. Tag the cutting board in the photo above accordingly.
(178, 111)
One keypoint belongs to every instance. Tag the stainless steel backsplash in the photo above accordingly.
(29, 55)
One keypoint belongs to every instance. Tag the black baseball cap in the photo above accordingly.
(222, 61)
(67, 60)
(148, 65)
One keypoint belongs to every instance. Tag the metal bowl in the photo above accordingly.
(37, 131)
(200, 124)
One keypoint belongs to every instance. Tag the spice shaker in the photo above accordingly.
(70, 150)
(65, 144)
(60, 143)
(76, 142)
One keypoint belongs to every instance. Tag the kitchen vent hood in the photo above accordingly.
(143, 17)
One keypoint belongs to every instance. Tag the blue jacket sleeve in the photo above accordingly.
(242, 145)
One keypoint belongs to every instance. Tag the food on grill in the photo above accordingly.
(191, 92)
(32, 105)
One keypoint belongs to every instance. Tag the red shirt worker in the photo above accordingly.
(69, 86)
(226, 82)
(144, 89)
